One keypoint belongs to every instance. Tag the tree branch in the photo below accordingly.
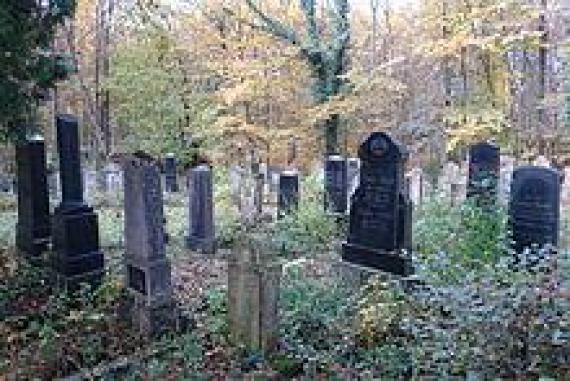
(275, 27)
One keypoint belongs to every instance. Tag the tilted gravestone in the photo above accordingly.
(148, 270)
(534, 210)
(288, 197)
(484, 168)
(380, 215)
(77, 257)
(33, 231)
(170, 178)
(201, 236)
(336, 184)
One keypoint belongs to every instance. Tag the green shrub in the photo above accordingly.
(468, 234)
(308, 230)
(227, 220)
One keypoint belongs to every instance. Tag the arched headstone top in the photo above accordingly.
(380, 147)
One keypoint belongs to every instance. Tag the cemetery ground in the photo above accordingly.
(468, 314)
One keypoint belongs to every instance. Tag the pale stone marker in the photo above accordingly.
(253, 291)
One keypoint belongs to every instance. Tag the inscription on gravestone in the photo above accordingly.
(380, 223)
(484, 168)
(534, 210)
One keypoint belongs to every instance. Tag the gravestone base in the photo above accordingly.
(76, 256)
(205, 246)
(377, 259)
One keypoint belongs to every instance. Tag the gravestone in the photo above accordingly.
(253, 292)
(484, 167)
(534, 210)
(33, 230)
(380, 215)
(147, 269)
(77, 257)
(288, 198)
(505, 178)
(6, 184)
(201, 236)
(336, 184)
(170, 179)
(113, 177)
(416, 186)
(89, 183)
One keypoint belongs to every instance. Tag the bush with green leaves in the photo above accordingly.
(497, 321)
(468, 234)
(309, 229)
(227, 220)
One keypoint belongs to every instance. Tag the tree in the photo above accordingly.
(29, 67)
(327, 57)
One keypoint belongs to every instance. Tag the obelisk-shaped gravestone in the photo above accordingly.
(201, 236)
(484, 168)
(534, 209)
(148, 275)
(380, 214)
(33, 230)
(170, 178)
(336, 186)
(77, 257)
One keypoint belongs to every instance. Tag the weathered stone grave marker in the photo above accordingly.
(170, 177)
(33, 231)
(534, 210)
(336, 184)
(484, 167)
(288, 197)
(77, 257)
(380, 216)
(201, 235)
(253, 291)
(147, 268)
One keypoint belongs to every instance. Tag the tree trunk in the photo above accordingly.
(331, 134)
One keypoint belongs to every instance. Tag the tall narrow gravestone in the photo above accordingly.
(484, 168)
(77, 257)
(170, 179)
(336, 186)
(288, 192)
(147, 268)
(33, 230)
(201, 236)
(380, 215)
(534, 210)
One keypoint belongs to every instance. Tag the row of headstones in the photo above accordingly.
(381, 210)
(380, 224)
(73, 228)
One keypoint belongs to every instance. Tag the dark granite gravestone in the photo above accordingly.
(77, 257)
(33, 231)
(201, 210)
(170, 180)
(288, 198)
(148, 270)
(484, 169)
(380, 215)
(534, 210)
(336, 184)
